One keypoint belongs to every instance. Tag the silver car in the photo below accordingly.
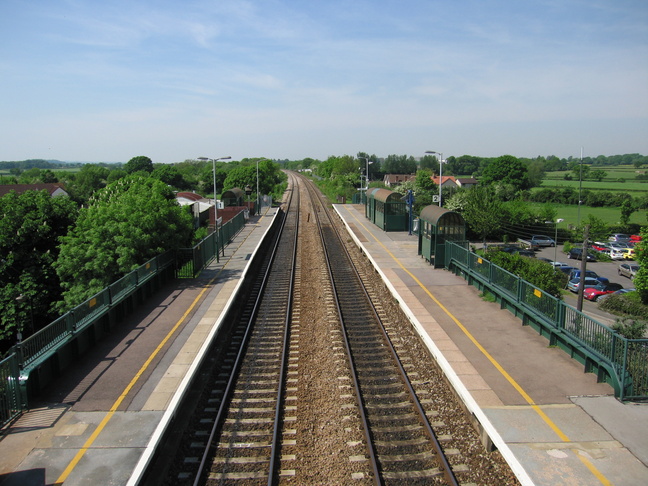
(628, 270)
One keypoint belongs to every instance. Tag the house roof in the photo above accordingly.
(445, 180)
(398, 178)
(467, 180)
(53, 188)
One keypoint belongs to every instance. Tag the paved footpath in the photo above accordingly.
(553, 423)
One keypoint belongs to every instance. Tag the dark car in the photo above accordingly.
(577, 254)
(575, 273)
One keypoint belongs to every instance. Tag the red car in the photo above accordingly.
(593, 293)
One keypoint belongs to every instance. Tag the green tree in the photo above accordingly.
(126, 224)
(30, 229)
(598, 175)
(483, 211)
(89, 179)
(139, 163)
(627, 208)
(506, 170)
(641, 279)
(170, 175)
(399, 164)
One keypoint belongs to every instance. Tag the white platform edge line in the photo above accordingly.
(146, 456)
(452, 376)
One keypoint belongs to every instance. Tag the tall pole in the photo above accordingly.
(215, 201)
(258, 197)
(559, 220)
(580, 186)
(440, 172)
(583, 268)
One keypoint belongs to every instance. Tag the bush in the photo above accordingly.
(567, 246)
(631, 328)
(626, 305)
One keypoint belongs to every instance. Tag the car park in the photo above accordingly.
(540, 241)
(628, 270)
(575, 282)
(577, 253)
(593, 293)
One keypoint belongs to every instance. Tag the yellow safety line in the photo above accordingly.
(70, 467)
(499, 367)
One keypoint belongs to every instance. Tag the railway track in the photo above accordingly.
(401, 444)
(306, 387)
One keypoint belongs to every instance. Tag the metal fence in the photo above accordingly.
(620, 361)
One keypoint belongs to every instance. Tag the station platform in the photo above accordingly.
(553, 423)
(95, 424)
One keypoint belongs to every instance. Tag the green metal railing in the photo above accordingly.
(621, 362)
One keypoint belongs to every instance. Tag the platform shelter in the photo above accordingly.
(436, 226)
(388, 210)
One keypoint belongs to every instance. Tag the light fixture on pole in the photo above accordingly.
(441, 161)
(214, 170)
(215, 201)
(258, 198)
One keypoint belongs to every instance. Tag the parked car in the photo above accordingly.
(635, 238)
(593, 293)
(558, 265)
(589, 282)
(620, 237)
(617, 254)
(540, 241)
(601, 247)
(628, 253)
(618, 292)
(577, 253)
(575, 273)
(628, 270)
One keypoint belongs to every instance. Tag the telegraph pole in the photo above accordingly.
(581, 283)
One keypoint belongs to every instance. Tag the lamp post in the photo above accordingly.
(440, 172)
(215, 202)
(258, 199)
(367, 162)
(214, 170)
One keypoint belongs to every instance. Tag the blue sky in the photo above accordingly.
(108, 80)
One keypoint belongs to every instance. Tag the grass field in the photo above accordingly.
(610, 183)
(611, 216)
